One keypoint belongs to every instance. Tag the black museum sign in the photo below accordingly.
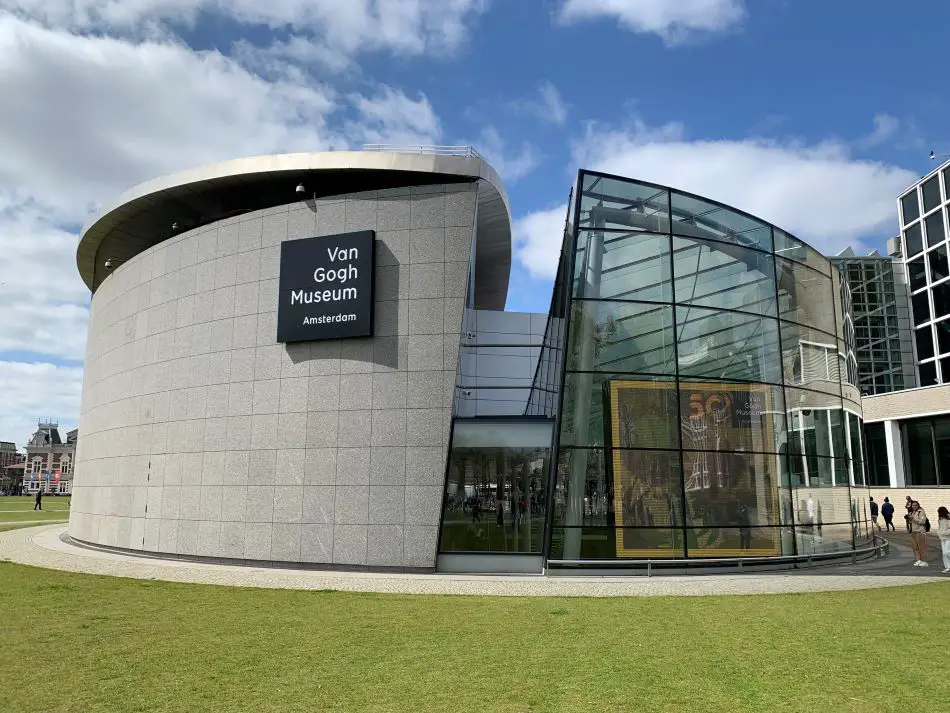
(326, 287)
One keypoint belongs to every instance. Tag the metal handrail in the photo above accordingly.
(463, 151)
(880, 547)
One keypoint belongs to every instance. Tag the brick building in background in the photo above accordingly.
(11, 466)
(9, 454)
(50, 460)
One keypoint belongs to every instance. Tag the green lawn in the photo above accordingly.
(6, 526)
(20, 509)
(25, 502)
(26, 516)
(128, 645)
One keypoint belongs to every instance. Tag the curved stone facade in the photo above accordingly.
(204, 436)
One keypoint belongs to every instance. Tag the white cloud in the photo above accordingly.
(819, 192)
(44, 302)
(675, 21)
(87, 116)
(537, 241)
(37, 391)
(510, 167)
(547, 105)
(391, 117)
(885, 127)
(115, 113)
(338, 29)
(554, 107)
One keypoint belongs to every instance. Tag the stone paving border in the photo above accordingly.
(42, 547)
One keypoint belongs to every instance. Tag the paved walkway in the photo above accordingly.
(42, 547)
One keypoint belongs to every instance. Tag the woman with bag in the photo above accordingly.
(918, 533)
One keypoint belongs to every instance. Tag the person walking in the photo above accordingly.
(918, 533)
(908, 506)
(38, 503)
(887, 511)
(745, 531)
(874, 516)
(943, 532)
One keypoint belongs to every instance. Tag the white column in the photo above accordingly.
(895, 454)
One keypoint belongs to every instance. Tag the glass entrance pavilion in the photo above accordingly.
(694, 397)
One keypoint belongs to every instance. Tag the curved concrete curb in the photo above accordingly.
(42, 547)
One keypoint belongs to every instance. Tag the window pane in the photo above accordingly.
(920, 453)
(943, 336)
(495, 487)
(805, 296)
(913, 242)
(938, 264)
(824, 518)
(583, 490)
(921, 308)
(942, 439)
(930, 192)
(720, 486)
(647, 484)
(698, 218)
(876, 445)
(715, 274)
(727, 345)
(909, 207)
(792, 248)
(925, 343)
(643, 495)
(918, 274)
(810, 358)
(612, 203)
(941, 295)
(934, 226)
(814, 423)
(748, 541)
(644, 411)
(623, 266)
(732, 417)
(621, 337)
(855, 449)
(928, 374)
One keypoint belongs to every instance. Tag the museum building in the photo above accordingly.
(305, 360)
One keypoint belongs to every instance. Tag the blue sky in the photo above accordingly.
(808, 113)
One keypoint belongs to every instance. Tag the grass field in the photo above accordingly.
(24, 503)
(128, 645)
(14, 510)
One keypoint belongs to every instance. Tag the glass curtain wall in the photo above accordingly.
(709, 402)
(884, 350)
(495, 497)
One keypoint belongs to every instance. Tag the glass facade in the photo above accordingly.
(923, 212)
(710, 405)
(700, 377)
(881, 319)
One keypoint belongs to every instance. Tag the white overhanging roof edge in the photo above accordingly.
(452, 165)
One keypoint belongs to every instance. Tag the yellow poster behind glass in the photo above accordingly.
(729, 476)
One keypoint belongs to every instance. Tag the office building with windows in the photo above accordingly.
(880, 312)
(907, 433)
(305, 359)
(923, 248)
